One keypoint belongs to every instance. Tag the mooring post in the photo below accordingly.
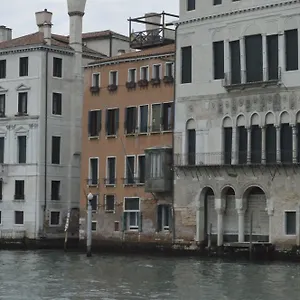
(89, 226)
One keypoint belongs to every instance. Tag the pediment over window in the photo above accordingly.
(2, 132)
(21, 130)
(3, 90)
(23, 87)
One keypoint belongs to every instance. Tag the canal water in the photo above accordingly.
(55, 275)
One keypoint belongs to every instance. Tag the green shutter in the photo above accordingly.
(140, 216)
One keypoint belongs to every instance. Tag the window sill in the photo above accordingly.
(155, 132)
(129, 184)
(110, 211)
(291, 235)
(110, 185)
(130, 134)
(92, 185)
(19, 200)
(114, 136)
(56, 77)
(19, 225)
(21, 115)
(140, 183)
(56, 115)
(52, 225)
(143, 133)
(167, 131)
(96, 137)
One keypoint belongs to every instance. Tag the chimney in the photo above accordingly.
(76, 10)
(5, 34)
(121, 51)
(43, 21)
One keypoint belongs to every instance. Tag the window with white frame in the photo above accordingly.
(113, 77)
(96, 80)
(111, 171)
(143, 118)
(163, 217)
(19, 217)
(93, 171)
(0, 217)
(132, 75)
(156, 117)
(156, 165)
(290, 223)
(141, 169)
(144, 74)
(129, 169)
(55, 218)
(2, 105)
(94, 203)
(169, 69)
(94, 225)
(132, 213)
(109, 203)
(156, 72)
(22, 103)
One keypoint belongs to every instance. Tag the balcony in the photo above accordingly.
(243, 80)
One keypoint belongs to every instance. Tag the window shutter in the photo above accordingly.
(99, 120)
(117, 120)
(89, 123)
(140, 216)
(106, 122)
(170, 218)
(124, 221)
(158, 218)
(125, 119)
(134, 119)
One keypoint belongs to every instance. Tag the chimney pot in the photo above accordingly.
(43, 21)
(5, 34)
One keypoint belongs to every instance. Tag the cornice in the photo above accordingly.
(238, 12)
(36, 48)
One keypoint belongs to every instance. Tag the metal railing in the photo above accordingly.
(133, 180)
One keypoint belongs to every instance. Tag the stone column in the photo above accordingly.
(241, 209)
(278, 152)
(281, 52)
(234, 142)
(227, 72)
(263, 144)
(265, 58)
(243, 60)
(249, 145)
(270, 211)
(295, 143)
(199, 147)
(200, 217)
(220, 208)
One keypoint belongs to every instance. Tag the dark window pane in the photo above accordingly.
(227, 145)
(22, 149)
(186, 64)
(191, 5)
(286, 143)
(141, 168)
(290, 222)
(2, 68)
(291, 49)
(272, 54)
(57, 67)
(271, 143)
(235, 61)
(218, 52)
(23, 67)
(255, 144)
(56, 140)
(2, 145)
(94, 171)
(19, 217)
(130, 169)
(111, 161)
(143, 119)
(191, 146)
(242, 144)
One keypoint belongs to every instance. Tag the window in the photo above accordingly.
(94, 122)
(290, 223)
(94, 203)
(2, 147)
(256, 145)
(143, 119)
(191, 5)
(56, 104)
(169, 69)
(19, 189)
(57, 67)
(2, 105)
(218, 52)
(23, 66)
(167, 116)
(96, 80)
(130, 120)
(272, 54)
(111, 171)
(109, 203)
(286, 143)
(22, 103)
(129, 167)
(145, 73)
(22, 149)
(217, 2)
(2, 68)
(271, 143)
(156, 165)
(94, 171)
(141, 168)
(1, 190)
(191, 147)
(156, 117)
(156, 72)
(132, 216)
(112, 121)
(0, 217)
(163, 217)
(19, 217)
(113, 78)
(55, 218)
(56, 140)
(242, 144)
(94, 225)
(227, 145)
(55, 190)
(291, 49)
(132, 75)
(186, 64)
(235, 62)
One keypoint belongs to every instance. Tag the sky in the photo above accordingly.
(100, 14)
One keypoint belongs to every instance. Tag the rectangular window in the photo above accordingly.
(129, 167)
(156, 165)
(256, 144)
(22, 103)
(55, 190)
(1, 216)
(291, 49)
(272, 54)
(167, 116)
(19, 217)
(94, 171)
(191, 149)
(156, 117)
(112, 121)
(113, 78)
(270, 143)
(235, 61)
(56, 104)
(286, 143)
(22, 149)
(242, 145)
(141, 168)
(19, 189)
(145, 73)
(94, 226)
(1, 191)
(227, 145)
(56, 141)
(156, 72)
(130, 120)
(290, 223)
(57, 67)
(217, 2)
(2, 68)
(218, 53)
(169, 70)
(143, 119)
(94, 203)
(132, 75)
(96, 80)
(254, 58)
(163, 217)
(23, 66)
(109, 203)
(2, 105)
(2, 147)
(55, 218)
(191, 5)
(132, 213)
(111, 171)
(186, 64)
(94, 123)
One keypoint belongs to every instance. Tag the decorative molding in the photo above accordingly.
(3, 90)
(33, 126)
(21, 130)
(22, 87)
(10, 127)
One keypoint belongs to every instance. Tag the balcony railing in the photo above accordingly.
(133, 181)
(92, 182)
(284, 157)
(241, 80)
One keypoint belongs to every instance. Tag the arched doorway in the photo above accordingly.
(256, 202)
(230, 215)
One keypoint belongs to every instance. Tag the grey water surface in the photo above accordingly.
(55, 275)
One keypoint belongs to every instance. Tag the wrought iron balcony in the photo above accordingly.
(133, 181)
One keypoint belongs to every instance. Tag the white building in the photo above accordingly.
(237, 119)
(41, 95)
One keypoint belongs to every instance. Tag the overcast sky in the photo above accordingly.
(100, 14)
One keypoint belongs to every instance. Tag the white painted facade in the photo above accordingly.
(207, 106)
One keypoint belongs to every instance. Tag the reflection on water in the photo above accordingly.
(55, 275)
